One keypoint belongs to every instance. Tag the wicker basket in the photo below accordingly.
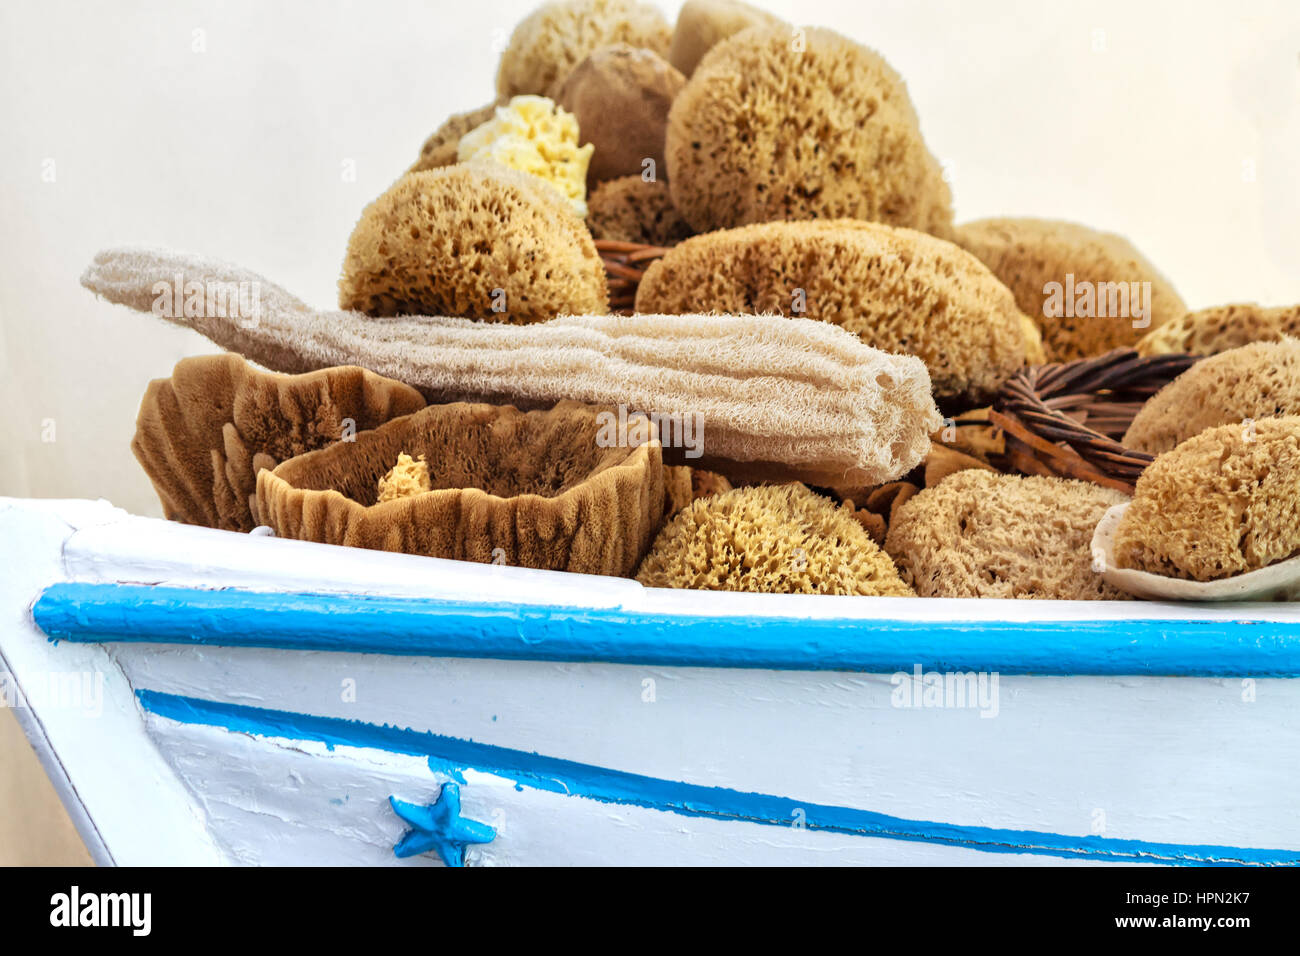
(1069, 419)
(625, 264)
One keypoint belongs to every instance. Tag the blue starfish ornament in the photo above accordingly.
(439, 827)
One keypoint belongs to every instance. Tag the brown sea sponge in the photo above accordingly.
(620, 96)
(475, 241)
(897, 289)
(1218, 329)
(629, 209)
(203, 434)
(770, 129)
(1028, 254)
(1223, 502)
(776, 539)
(556, 37)
(531, 489)
(982, 535)
(702, 24)
(440, 148)
(1260, 380)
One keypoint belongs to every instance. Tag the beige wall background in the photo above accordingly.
(231, 129)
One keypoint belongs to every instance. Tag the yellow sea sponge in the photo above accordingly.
(473, 240)
(441, 146)
(533, 135)
(410, 476)
(1222, 503)
(556, 37)
(778, 539)
(1223, 327)
(1260, 380)
(1028, 255)
(899, 290)
(702, 24)
(814, 126)
(630, 209)
(978, 534)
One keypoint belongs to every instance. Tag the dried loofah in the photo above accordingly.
(899, 290)
(556, 37)
(763, 131)
(479, 241)
(776, 539)
(409, 477)
(441, 147)
(202, 434)
(1223, 502)
(982, 535)
(629, 209)
(1223, 327)
(702, 24)
(620, 96)
(776, 397)
(1027, 254)
(1261, 380)
(534, 489)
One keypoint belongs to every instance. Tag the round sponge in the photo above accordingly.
(1223, 327)
(441, 147)
(1028, 254)
(630, 209)
(702, 24)
(475, 241)
(775, 539)
(897, 289)
(810, 126)
(984, 535)
(556, 37)
(1261, 380)
(1223, 502)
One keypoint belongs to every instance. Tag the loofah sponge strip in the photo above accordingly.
(897, 289)
(1223, 502)
(535, 490)
(775, 396)
(1223, 327)
(630, 209)
(977, 534)
(1255, 381)
(202, 434)
(780, 539)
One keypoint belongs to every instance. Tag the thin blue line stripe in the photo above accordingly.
(87, 612)
(453, 755)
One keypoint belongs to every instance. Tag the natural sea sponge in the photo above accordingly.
(556, 37)
(203, 434)
(897, 289)
(630, 209)
(765, 130)
(441, 147)
(529, 489)
(472, 240)
(982, 535)
(1222, 503)
(1218, 329)
(776, 539)
(620, 96)
(702, 24)
(1028, 254)
(1256, 381)
(410, 476)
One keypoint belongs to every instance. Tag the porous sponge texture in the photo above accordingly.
(203, 434)
(1256, 381)
(441, 147)
(898, 289)
(556, 37)
(475, 241)
(765, 132)
(702, 24)
(1222, 503)
(775, 539)
(1221, 328)
(539, 486)
(978, 534)
(629, 209)
(1027, 254)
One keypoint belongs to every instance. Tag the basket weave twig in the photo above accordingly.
(625, 265)
(1069, 419)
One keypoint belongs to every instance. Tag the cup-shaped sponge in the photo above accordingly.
(564, 489)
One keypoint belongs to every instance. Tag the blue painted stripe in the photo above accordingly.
(453, 755)
(331, 622)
